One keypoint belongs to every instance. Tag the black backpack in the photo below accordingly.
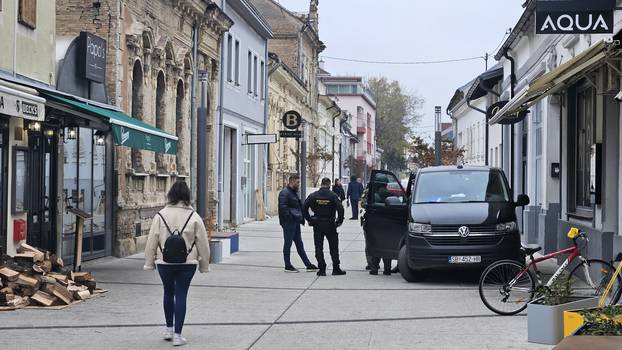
(174, 251)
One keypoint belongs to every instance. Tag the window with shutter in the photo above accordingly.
(28, 13)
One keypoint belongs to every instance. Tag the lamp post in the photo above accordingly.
(437, 134)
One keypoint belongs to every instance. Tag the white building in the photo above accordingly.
(242, 111)
(467, 108)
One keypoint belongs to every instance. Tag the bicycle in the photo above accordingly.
(507, 286)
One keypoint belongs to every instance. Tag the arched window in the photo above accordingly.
(137, 109)
(160, 115)
(180, 125)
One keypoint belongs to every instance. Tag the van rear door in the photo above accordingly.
(386, 215)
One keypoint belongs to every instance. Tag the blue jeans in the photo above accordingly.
(291, 233)
(176, 281)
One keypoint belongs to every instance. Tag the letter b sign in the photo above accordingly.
(292, 120)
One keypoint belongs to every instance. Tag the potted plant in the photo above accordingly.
(600, 328)
(545, 314)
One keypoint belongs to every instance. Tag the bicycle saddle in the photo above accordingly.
(529, 249)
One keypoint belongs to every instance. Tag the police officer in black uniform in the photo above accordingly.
(325, 204)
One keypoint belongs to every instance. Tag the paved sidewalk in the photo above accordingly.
(248, 302)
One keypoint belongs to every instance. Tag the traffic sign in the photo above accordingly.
(292, 120)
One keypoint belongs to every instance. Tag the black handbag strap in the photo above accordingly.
(168, 228)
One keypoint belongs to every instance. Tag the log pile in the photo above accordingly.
(37, 278)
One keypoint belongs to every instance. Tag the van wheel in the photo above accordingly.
(407, 273)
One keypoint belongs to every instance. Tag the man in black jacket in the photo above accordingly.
(325, 204)
(290, 218)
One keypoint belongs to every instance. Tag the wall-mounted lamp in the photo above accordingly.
(72, 133)
(48, 132)
(100, 138)
(36, 126)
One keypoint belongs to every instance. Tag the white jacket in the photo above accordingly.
(176, 216)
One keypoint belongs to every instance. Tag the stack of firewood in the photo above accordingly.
(38, 278)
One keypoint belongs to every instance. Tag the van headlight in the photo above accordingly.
(507, 226)
(415, 227)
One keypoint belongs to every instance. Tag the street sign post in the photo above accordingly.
(258, 139)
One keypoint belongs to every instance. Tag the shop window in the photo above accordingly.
(20, 173)
(584, 152)
(237, 63)
(230, 58)
(27, 13)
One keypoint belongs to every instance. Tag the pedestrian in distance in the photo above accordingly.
(338, 189)
(325, 204)
(290, 218)
(177, 243)
(355, 191)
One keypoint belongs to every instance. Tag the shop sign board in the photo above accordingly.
(292, 120)
(93, 57)
(290, 134)
(574, 16)
(17, 104)
(257, 139)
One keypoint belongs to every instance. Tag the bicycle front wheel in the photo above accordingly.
(590, 279)
(506, 287)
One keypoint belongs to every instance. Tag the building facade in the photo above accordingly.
(352, 96)
(294, 63)
(467, 108)
(158, 49)
(564, 153)
(243, 111)
(27, 35)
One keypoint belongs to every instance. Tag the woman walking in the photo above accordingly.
(179, 242)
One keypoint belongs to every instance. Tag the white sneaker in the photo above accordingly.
(168, 334)
(178, 340)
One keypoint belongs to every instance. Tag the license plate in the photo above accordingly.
(464, 259)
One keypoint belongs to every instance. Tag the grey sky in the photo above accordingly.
(413, 30)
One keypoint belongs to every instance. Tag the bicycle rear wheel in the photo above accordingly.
(496, 293)
(591, 277)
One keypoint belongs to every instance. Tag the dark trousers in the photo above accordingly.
(176, 281)
(328, 230)
(355, 208)
(291, 233)
(375, 264)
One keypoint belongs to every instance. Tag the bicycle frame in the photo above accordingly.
(573, 253)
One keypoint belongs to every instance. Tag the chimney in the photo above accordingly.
(313, 15)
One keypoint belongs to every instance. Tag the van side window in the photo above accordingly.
(384, 185)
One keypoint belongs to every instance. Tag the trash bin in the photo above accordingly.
(215, 247)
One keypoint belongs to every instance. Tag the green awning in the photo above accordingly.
(126, 131)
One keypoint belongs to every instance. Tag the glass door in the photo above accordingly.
(246, 182)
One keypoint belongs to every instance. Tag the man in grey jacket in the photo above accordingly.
(290, 218)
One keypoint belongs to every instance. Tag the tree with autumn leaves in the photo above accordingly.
(423, 155)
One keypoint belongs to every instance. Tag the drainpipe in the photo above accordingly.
(512, 86)
(221, 131)
(266, 152)
(193, 111)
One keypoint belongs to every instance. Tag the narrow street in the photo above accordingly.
(248, 302)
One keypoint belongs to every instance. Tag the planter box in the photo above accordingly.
(545, 323)
(590, 342)
(573, 320)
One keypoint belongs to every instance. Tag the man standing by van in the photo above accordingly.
(290, 218)
(355, 190)
(325, 204)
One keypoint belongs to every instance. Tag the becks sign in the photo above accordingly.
(574, 16)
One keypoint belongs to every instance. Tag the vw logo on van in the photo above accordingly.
(464, 231)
